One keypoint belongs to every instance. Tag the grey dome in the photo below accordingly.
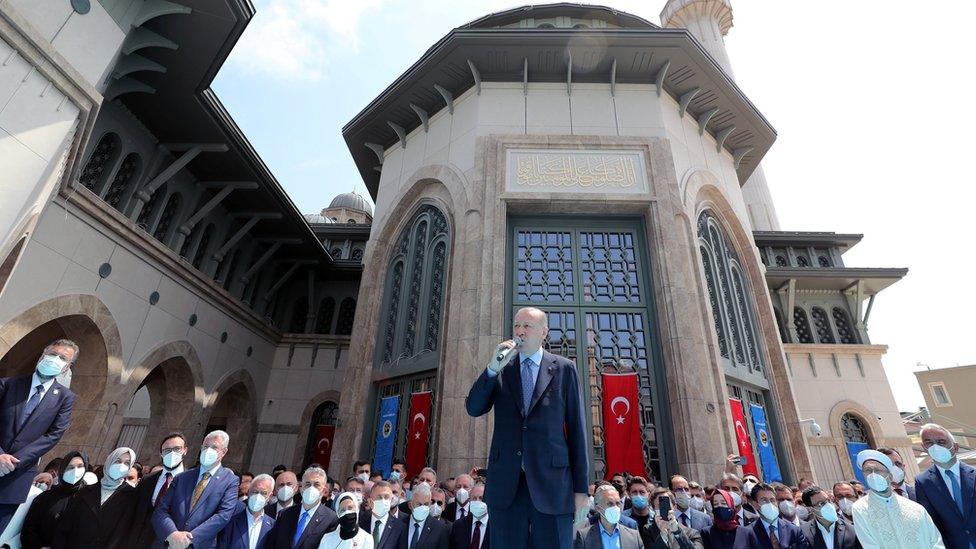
(317, 218)
(352, 201)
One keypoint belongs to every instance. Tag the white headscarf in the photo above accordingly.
(342, 496)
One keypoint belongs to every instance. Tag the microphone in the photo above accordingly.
(507, 352)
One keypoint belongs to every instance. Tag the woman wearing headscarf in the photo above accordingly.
(725, 523)
(100, 515)
(45, 513)
(348, 535)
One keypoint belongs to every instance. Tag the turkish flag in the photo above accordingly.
(418, 431)
(742, 438)
(322, 449)
(621, 425)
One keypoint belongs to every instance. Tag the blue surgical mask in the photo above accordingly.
(256, 502)
(639, 502)
(878, 483)
(769, 511)
(208, 456)
(50, 366)
(828, 512)
(73, 475)
(940, 454)
(612, 514)
(395, 475)
(117, 471)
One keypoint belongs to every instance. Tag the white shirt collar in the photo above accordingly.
(177, 470)
(484, 523)
(827, 532)
(251, 519)
(36, 380)
(311, 512)
(954, 468)
(536, 357)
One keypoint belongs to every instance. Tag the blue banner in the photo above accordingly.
(386, 435)
(764, 442)
(853, 449)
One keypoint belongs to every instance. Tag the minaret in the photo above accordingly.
(709, 21)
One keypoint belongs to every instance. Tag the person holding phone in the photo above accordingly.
(665, 532)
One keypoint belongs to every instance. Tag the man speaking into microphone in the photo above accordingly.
(538, 474)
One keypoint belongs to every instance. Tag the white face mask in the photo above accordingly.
(172, 460)
(697, 503)
(612, 514)
(683, 499)
(769, 511)
(285, 493)
(89, 478)
(381, 507)
(478, 508)
(846, 506)
(256, 502)
(787, 509)
(897, 475)
(421, 512)
(462, 496)
(73, 475)
(359, 498)
(363, 477)
(878, 483)
(208, 456)
(436, 510)
(311, 496)
(117, 471)
(747, 487)
(736, 499)
(940, 454)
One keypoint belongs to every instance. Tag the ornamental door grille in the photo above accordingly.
(404, 387)
(592, 280)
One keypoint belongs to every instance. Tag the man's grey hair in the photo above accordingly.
(222, 436)
(429, 470)
(927, 426)
(537, 312)
(438, 491)
(730, 476)
(597, 498)
(422, 490)
(315, 471)
(263, 477)
(66, 343)
(464, 475)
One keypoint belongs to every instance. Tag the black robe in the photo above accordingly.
(87, 523)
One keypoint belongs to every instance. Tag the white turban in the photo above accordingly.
(865, 455)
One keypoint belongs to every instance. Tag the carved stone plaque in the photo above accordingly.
(576, 171)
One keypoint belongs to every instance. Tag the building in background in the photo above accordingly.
(947, 402)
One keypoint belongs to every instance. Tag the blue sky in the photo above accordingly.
(868, 99)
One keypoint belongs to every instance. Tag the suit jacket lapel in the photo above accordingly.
(967, 483)
(50, 398)
(941, 487)
(242, 534)
(19, 388)
(312, 521)
(545, 377)
(512, 375)
(426, 533)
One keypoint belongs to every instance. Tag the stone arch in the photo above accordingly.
(172, 374)
(231, 408)
(306, 423)
(87, 321)
(868, 418)
(15, 251)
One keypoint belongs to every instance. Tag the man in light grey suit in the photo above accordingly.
(606, 499)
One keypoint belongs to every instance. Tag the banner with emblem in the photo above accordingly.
(322, 446)
(767, 456)
(386, 435)
(742, 438)
(418, 432)
(621, 425)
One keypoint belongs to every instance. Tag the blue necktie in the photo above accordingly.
(32, 403)
(528, 384)
(302, 521)
(956, 488)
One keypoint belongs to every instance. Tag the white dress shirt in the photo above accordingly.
(35, 381)
(253, 529)
(826, 533)
(457, 512)
(411, 526)
(484, 529)
(372, 523)
(945, 479)
(162, 480)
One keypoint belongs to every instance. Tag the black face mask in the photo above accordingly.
(348, 525)
(722, 513)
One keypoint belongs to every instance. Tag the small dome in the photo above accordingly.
(353, 201)
(317, 219)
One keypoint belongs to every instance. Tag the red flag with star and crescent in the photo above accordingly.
(621, 425)
(419, 431)
(322, 451)
(742, 439)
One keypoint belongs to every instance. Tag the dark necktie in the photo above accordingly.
(528, 384)
(415, 539)
(684, 519)
(773, 540)
(32, 403)
(476, 538)
(377, 533)
(462, 511)
(162, 491)
(956, 488)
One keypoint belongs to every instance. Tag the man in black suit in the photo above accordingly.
(302, 526)
(471, 532)
(826, 523)
(287, 494)
(759, 534)
(378, 519)
(458, 509)
(35, 411)
(424, 531)
(151, 489)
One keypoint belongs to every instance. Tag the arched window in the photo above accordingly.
(203, 246)
(415, 289)
(320, 433)
(323, 322)
(781, 326)
(822, 325)
(149, 208)
(100, 162)
(231, 268)
(347, 313)
(732, 309)
(845, 332)
(802, 325)
(299, 314)
(170, 211)
(125, 177)
(854, 429)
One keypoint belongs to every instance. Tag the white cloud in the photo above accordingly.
(294, 39)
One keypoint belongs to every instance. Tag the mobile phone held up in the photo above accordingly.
(664, 507)
(740, 460)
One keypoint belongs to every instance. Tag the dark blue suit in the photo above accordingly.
(235, 535)
(211, 514)
(42, 430)
(958, 529)
(756, 537)
(537, 460)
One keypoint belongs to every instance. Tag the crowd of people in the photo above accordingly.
(122, 503)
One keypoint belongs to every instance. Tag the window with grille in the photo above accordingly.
(125, 177)
(323, 322)
(203, 246)
(845, 332)
(802, 325)
(170, 211)
(822, 325)
(299, 314)
(346, 316)
(150, 208)
(940, 394)
(100, 162)
(854, 429)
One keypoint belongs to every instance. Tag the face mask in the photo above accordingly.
(436, 510)
(769, 511)
(683, 499)
(697, 503)
(802, 512)
(348, 524)
(73, 475)
(639, 502)
(256, 502)
(940, 454)
(736, 499)
(421, 512)
(358, 497)
(285, 493)
(172, 460)
(897, 475)
(208, 456)
(450, 500)
(462, 496)
(846, 506)
(363, 477)
(828, 512)
(723, 513)
(311, 496)
(117, 471)
(612, 514)
(395, 475)
(41, 486)
(787, 509)
(748, 486)
(408, 494)
(50, 366)
(478, 509)
(381, 507)
(878, 483)
(89, 478)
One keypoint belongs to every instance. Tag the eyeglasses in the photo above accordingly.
(62, 356)
(168, 451)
